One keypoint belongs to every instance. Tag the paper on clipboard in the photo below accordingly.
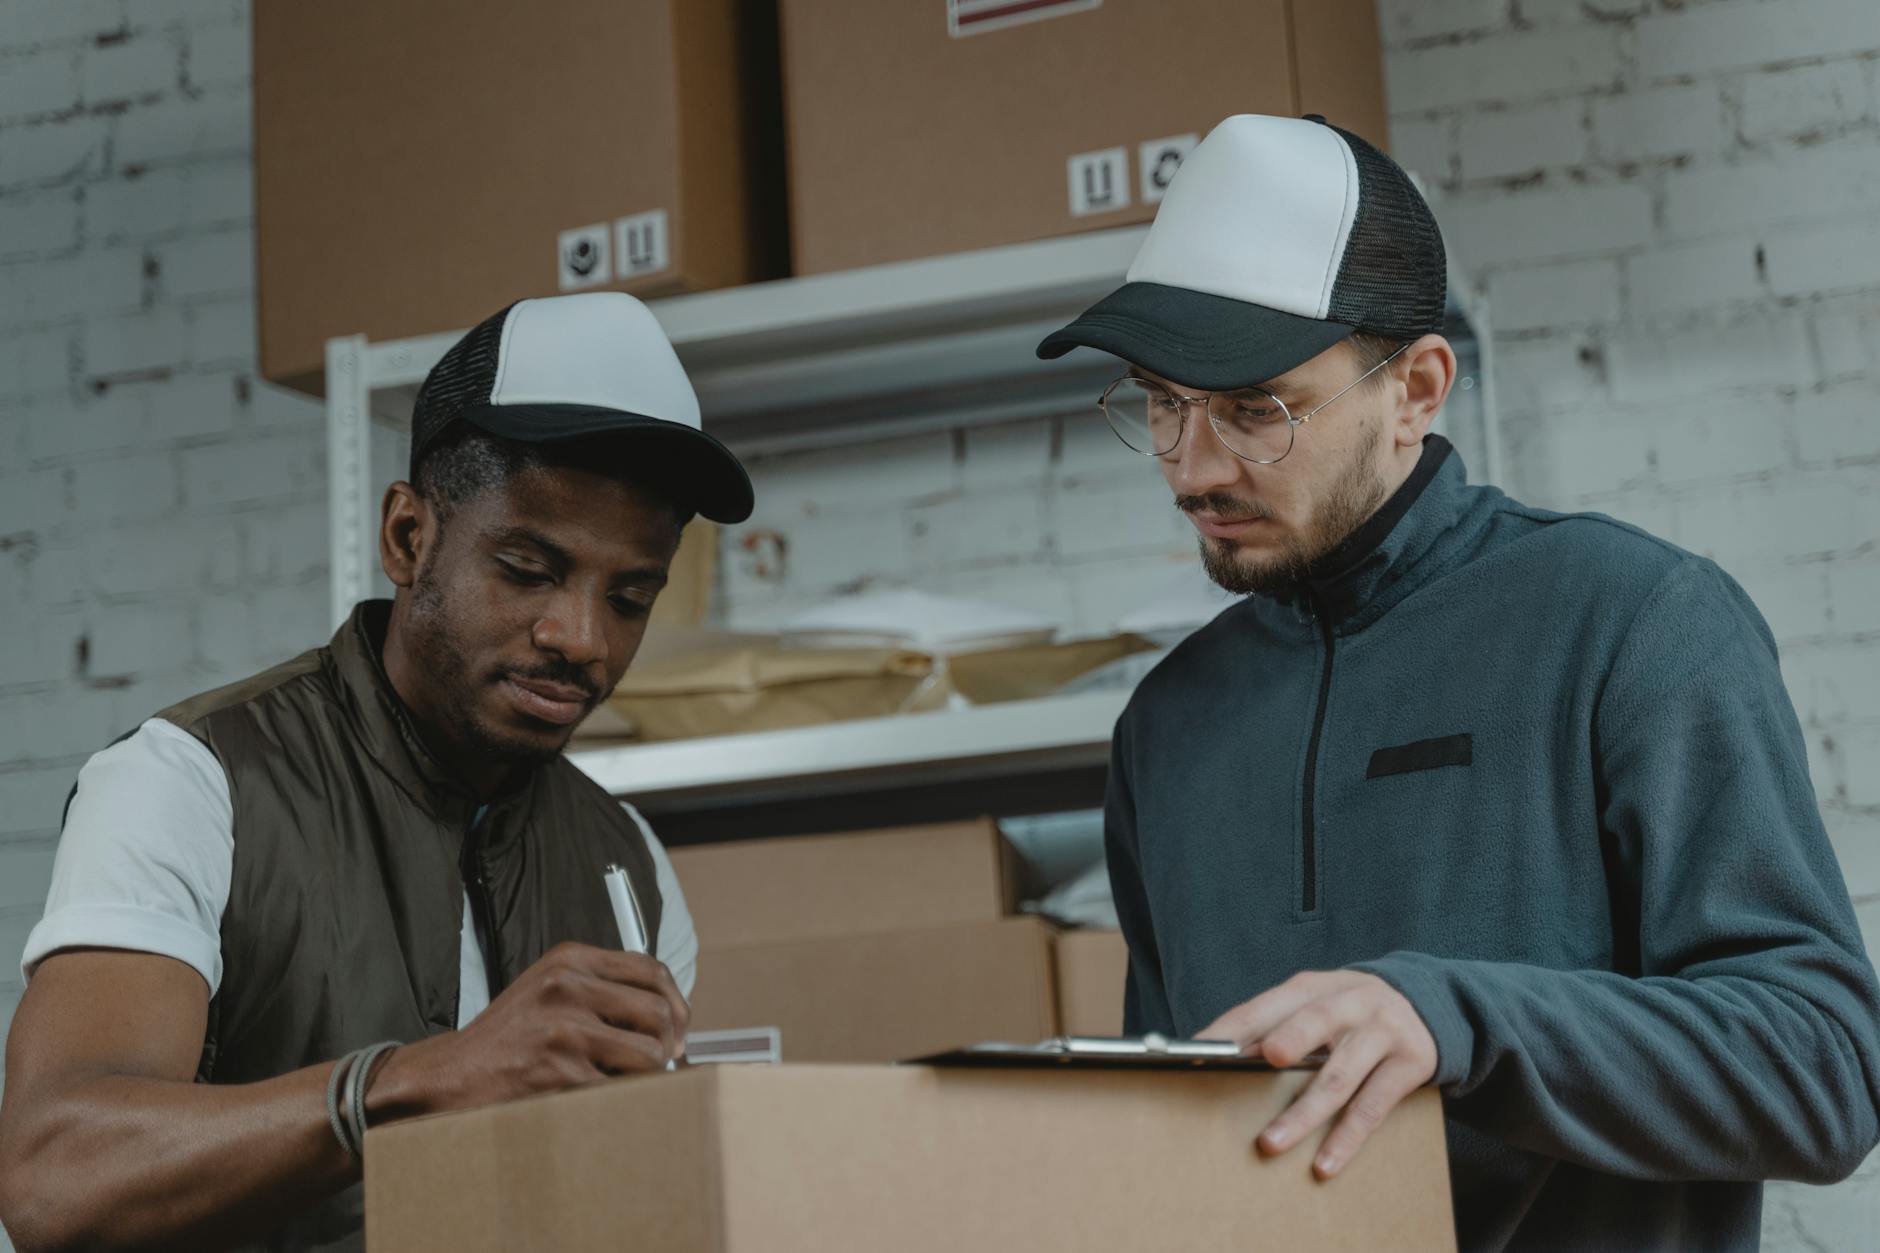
(1151, 1052)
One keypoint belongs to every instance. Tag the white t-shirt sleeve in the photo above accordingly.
(677, 944)
(146, 857)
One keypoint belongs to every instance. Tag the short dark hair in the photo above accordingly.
(467, 461)
(1373, 350)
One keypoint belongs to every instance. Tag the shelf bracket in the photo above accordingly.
(348, 472)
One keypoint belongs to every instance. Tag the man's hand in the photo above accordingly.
(577, 1015)
(106, 1141)
(1380, 1053)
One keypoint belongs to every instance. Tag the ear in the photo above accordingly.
(408, 532)
(1427, 371)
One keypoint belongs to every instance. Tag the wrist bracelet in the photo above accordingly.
(366, 1061)
(333, 1083)
(346, 1096)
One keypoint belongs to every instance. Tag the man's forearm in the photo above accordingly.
(125, 1162)
(1765, 1072)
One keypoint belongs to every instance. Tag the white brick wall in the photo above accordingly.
(1671, 206)
(1016, 514)
(161, 513)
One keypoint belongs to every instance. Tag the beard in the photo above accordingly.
(442, 655)
(1355, 494)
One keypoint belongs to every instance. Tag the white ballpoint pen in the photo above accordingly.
(627, 917)
(626, 911)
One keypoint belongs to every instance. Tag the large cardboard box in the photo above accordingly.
(826, 1159)
(1091, 968)
(885, 996)
(419, 165)
(932, 126)
(808, 887)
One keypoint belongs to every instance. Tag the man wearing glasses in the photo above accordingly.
(1463, 792)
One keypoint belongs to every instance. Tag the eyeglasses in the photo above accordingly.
(1252, 423)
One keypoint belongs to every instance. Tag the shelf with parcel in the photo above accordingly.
(989, 740)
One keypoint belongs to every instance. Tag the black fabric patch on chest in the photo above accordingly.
(1447, 750)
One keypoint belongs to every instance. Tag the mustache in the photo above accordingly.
(564, 672)
(1222, 505)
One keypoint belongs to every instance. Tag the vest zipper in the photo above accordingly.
(482, 911)
(1309, 851)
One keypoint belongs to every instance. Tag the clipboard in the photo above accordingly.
(1148, 1052)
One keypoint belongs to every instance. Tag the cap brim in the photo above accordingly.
(701, 473)
(1213, 343)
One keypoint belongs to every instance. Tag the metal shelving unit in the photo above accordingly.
(939, 343)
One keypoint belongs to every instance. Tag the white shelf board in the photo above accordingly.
(902, 300)
(881, 345)
(985, 741)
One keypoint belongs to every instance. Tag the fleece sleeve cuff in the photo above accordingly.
(1423, 983)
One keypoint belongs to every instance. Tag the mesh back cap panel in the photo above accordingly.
(462, 378)
(1394, 278)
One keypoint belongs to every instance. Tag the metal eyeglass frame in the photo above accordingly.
(1206, 400)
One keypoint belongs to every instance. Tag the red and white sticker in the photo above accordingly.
(976, 17)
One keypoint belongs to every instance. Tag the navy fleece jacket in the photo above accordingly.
(1540, 773)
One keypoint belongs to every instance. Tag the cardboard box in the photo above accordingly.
(825, 1159)
(885, 996)
(420, 165)
(934, 126)
(1091, 968)
(809, 887)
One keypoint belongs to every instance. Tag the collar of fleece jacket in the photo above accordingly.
(1395, 552)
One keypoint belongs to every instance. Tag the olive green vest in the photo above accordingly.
(345, 908)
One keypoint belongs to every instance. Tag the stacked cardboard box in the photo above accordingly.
(1091, 966)
(419, 165)
(921, 128)
(868, 947)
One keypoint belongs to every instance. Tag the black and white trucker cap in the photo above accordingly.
(1278, 238)
(573, 367)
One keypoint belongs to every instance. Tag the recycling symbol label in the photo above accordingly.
(1159, 159)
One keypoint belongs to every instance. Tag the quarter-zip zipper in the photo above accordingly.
(1309, 850)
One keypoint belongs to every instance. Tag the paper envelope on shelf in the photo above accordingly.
(766, 689)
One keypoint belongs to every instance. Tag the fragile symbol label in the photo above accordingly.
(975, 17)
(1160, 158)
(1099, 181)
(581, 257)
(640, 244)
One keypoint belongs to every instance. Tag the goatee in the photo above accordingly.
(1353, 497)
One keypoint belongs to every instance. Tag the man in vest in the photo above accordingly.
(377, 843)
(1463, 792)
